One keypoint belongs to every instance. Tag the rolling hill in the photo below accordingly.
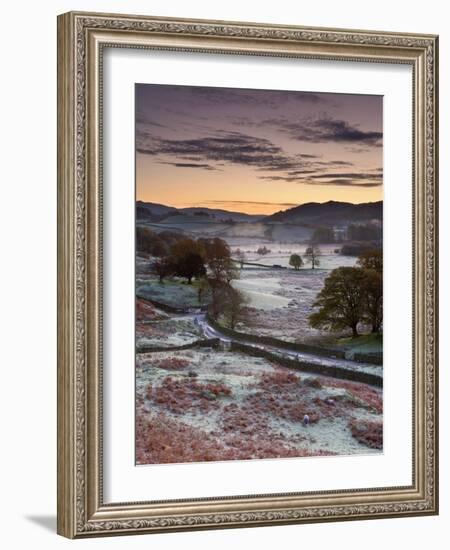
(292, 225)
(329, 213)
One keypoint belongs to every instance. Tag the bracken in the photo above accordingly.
(368, 432)
(182, 395)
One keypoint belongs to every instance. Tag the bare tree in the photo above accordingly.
(234, 310)
(312, 256)
(203, 289)
(228, 303)
(223, 269)
(240, 255)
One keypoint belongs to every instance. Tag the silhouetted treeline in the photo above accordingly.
(156, 244)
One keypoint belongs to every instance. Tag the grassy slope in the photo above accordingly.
(366, 343)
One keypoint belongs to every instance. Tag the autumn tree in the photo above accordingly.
(296, 261)
(186, 246)
(312, 256)
(163, 267)
(214, 248)
(187, 257)
(235, 311)
(218, 259)
(189, 266)
(150, 242)
(341, 301)
(229, 304)
(223, 269)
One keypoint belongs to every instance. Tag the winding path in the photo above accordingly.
(210, 332)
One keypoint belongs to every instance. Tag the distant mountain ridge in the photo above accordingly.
(309, 214)
(156, 212)
(152, 210)
(329, 213)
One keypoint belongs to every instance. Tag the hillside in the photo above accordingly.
(292, 225)
(329, 213)
(150, 211)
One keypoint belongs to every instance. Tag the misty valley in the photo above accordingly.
(258, 336)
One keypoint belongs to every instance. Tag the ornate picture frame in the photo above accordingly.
(82, 39)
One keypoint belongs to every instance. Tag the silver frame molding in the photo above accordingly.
(81, 39)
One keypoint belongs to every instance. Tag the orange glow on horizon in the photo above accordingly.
(219, 148)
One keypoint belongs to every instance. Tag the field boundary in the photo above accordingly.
(305, 366)
(210, 343)
(275, 342)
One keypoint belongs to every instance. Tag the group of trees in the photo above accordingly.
(156, 244)
(312, 254)
(354, 232)
(194, 258)
(356, 248)
(352, 295)
(367, 232)
(263, 250)
(227, 302)
(323, 235)
(209, 262)
(185, 258)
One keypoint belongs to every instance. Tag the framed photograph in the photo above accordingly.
(247, 288)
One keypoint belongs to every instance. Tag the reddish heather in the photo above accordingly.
(280, 380)
(148, 331)
(292, 406)
(162, 440)
(368, 432)
(363, 392)
(145, 311)
(172, 363)
(192, 415)
(266, 444)
(180, 396)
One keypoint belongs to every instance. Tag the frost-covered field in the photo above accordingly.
(204, 405)
(177, 294)
(154, 328)
(281, 302)
(280, 253)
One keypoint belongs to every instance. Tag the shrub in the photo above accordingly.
(313, 383)
(172, 363)
(278, 381)
(146, 311)
(365, 393)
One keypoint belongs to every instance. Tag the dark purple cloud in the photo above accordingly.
(326, 129)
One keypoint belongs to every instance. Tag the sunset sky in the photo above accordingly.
(256, 151)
